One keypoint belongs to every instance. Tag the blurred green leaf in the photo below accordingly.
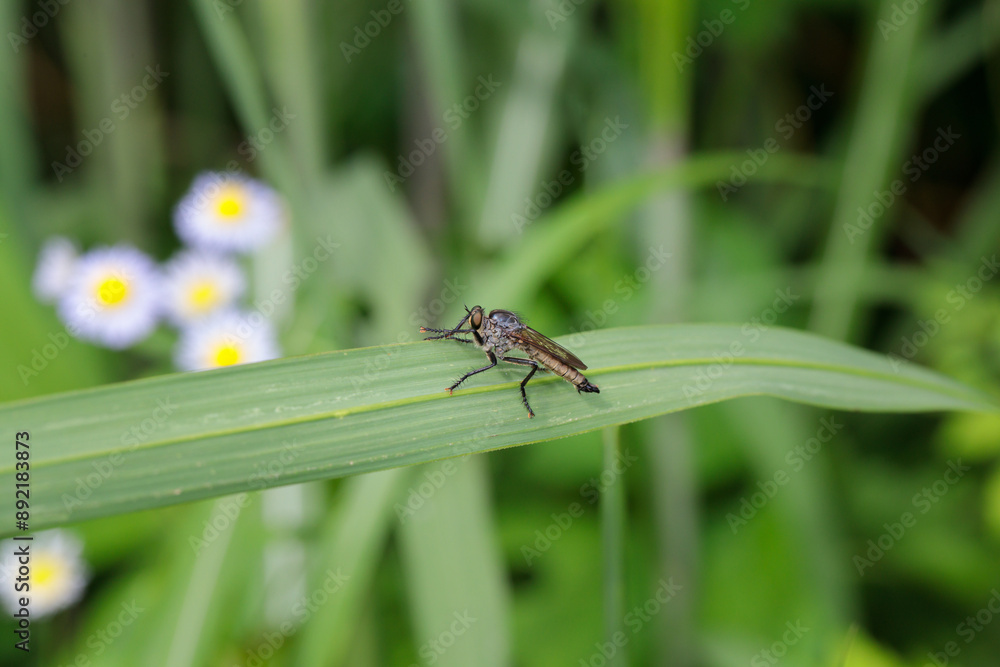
(458, 587)
(352, 539)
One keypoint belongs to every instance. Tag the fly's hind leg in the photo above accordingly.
(534, 369)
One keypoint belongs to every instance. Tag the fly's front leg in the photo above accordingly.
(534, 369)
(448, 333)
(493, 362)
(449, 336)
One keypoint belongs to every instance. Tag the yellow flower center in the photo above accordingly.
(230, 204)
(227, 355)
(204, 296)
(44, 570)
(111, 292)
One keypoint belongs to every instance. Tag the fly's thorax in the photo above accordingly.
(505, 319)
(494, 338)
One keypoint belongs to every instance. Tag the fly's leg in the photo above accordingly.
(534, 369)
(459, 340)
(493, 362)
(448, 333)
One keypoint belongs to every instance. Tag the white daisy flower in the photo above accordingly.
(225, 339)
(197, 284)
(56, 262)
(113, 298)
(57, 573)
(228, 213)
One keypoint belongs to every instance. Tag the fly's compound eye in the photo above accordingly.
(476, 319)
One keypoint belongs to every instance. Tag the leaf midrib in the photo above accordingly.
(372, 407)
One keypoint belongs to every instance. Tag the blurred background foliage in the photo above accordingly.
(748, 134)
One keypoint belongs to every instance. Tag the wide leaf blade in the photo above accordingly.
(182, 437)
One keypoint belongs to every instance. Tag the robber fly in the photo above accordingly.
(501, 332)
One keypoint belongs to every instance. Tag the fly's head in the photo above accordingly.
(476, 318)
(478, 323)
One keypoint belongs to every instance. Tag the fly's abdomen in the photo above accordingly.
(563, 370)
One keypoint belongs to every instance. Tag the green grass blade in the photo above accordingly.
(613, 518)
(182, 437)
(352, 542)
(874, 157)
(459, 601)
(555, 239)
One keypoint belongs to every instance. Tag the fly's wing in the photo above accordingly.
(528, 336)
